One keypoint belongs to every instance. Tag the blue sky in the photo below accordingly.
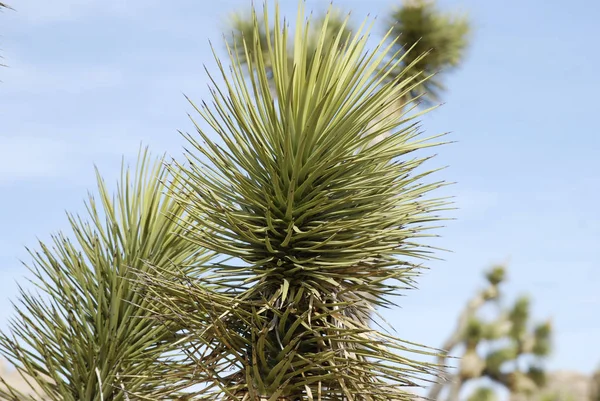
(89, 80)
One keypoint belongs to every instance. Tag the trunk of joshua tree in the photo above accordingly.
(457, 336)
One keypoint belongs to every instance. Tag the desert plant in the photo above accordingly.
(310, 227)
(509, 339)
(88, 335)
(442, 36)
(325, 229)
(483, 394)
(429, 42)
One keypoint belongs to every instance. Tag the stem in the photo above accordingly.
(456, 337)
(457, 385)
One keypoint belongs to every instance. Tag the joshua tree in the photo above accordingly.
(509, 341)
(88, 336)
(437, 42)
(311, 230)
(316, 218)
(483, 394)
(423, 41)
(441, 37)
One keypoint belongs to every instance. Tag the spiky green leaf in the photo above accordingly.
(88, 333)
(325, 227)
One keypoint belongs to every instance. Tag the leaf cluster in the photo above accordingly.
(257, 272)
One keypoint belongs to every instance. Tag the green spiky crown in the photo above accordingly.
(326, 226)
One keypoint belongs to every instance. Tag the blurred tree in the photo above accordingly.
(440, 36)
(243, 34)
(483, 394)
(437, 41)
(513, 352)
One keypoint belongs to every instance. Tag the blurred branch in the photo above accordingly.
(495, 277)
